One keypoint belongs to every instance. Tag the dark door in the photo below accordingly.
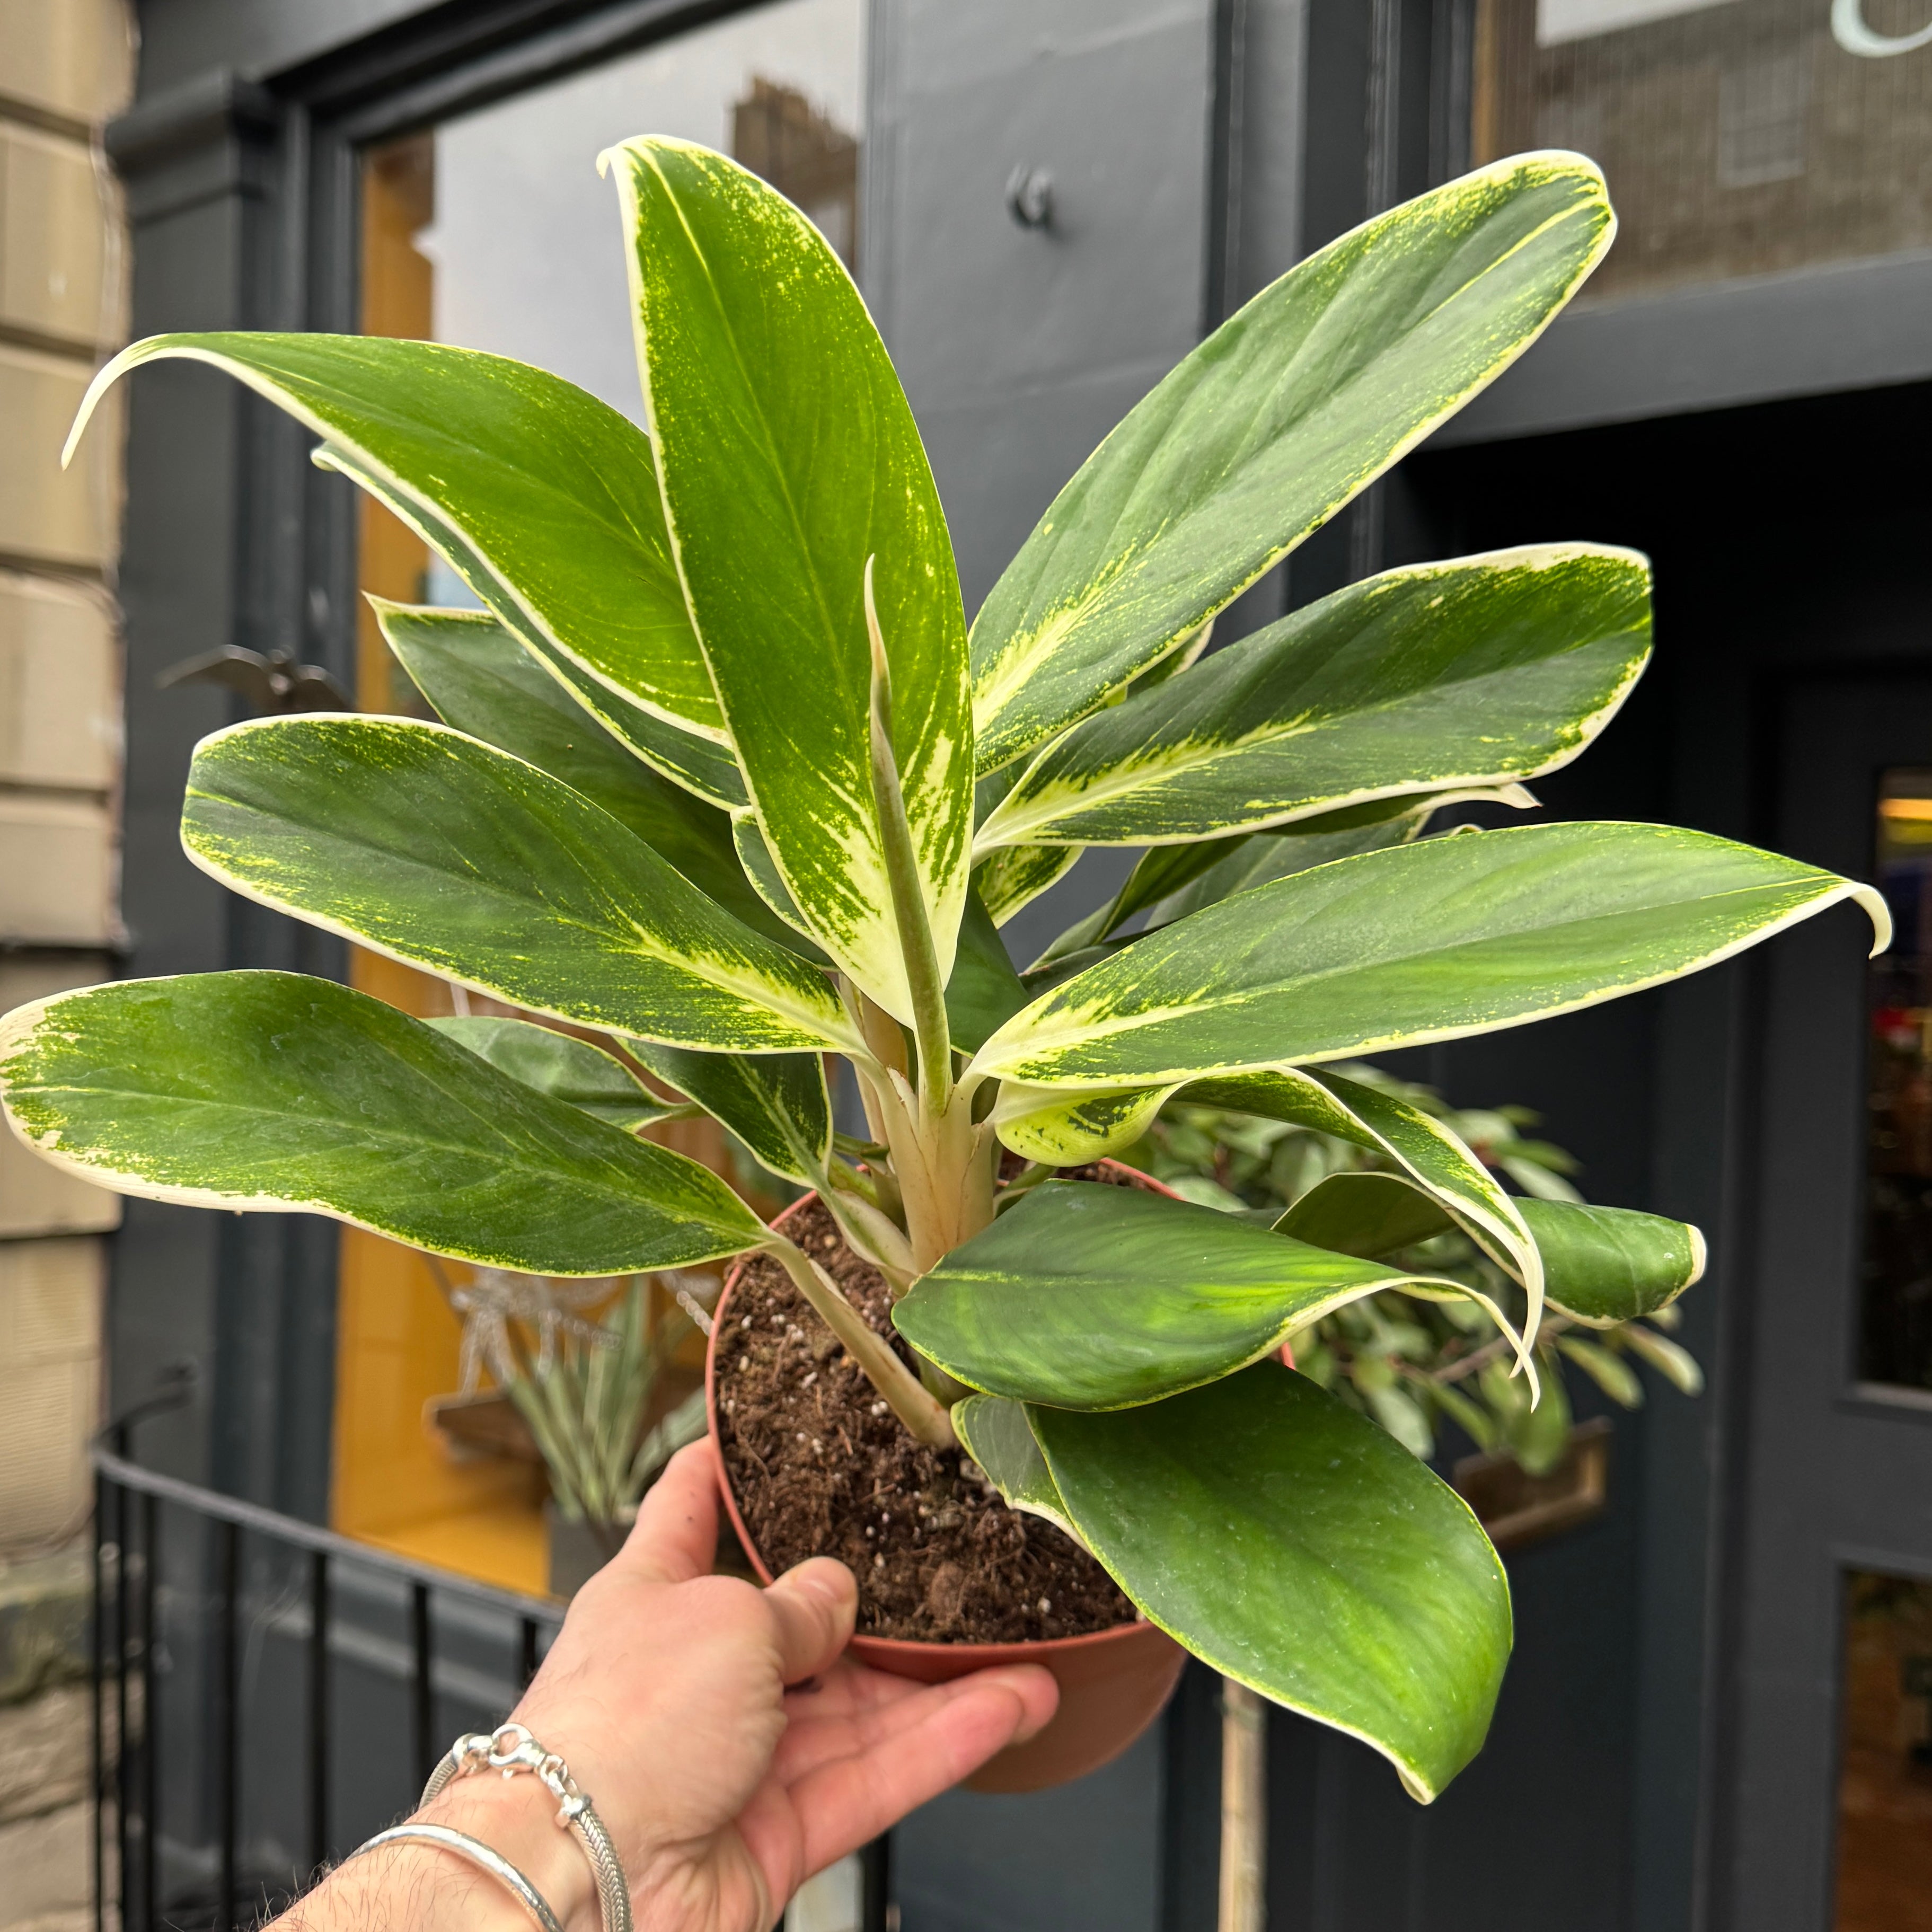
(1830, 1822)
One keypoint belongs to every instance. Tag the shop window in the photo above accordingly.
(1739, 136)
(1895, 1322)
(493, 231)
(1885, 1776)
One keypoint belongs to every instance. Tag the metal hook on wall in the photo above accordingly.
(1030, 196)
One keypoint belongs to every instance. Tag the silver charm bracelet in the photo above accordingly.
(510, 1749)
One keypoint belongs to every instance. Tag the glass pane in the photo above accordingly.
(1739, 137)
(1895, 1341)
(494, 231)
(1885, 1774)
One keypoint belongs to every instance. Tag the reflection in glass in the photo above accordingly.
(1740, 136)
(493, 231)
(1895, 1340)
(1885, 1773)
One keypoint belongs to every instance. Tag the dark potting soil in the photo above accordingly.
(821, 1467)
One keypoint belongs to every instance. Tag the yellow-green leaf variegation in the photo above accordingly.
(724, 779)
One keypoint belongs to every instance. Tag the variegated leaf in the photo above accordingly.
(1293, 405)
(1093, 1297)
(553, 491)
(1016, 875)
(481, 681)
(1603, 1266)
(791, 463)
(1294, 1545)
(1169, 880)
(774, 1103)
(1429, 941)
(559, 1064)
(700, 765)
(998, 1437)
(1473, 673)
(1069, 1128)
(1423, 1147)
(428, 846)
(1248, 859)
(274, 1093)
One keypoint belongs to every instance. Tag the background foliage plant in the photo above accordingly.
(723, 773)
(1408, 1361)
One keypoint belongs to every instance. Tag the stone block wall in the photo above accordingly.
(65, 67)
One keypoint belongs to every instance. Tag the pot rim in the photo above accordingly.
(897, 1646)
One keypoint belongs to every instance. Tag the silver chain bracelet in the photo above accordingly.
(510, 1749)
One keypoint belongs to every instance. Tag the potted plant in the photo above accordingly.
(600, 1401)
(725, 775)
(1414, 1362)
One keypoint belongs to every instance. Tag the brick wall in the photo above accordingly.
(68, 65)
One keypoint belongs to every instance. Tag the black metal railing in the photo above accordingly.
(234, 1651)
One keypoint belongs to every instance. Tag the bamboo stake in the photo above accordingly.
(1244, 1809)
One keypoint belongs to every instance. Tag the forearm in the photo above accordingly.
(416, 1885)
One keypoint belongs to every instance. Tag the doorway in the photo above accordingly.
(1831, 1790)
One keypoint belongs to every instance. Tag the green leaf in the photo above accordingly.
(1609, 1371)
(790, 460)
(755, 856)
(555, 1063)
(698, 764)
(1063, 1129)
(1248, 859)
(1471, 673)
(1016, 875)
(1430, 941)
(439, 851)
(998, 1437)
(1606, 1265)
(1366, 1214)
(272, 1092)
(984, 991)
(774, 1103)
(1087, 1296)
(1168, 881)
(1677, 1365)
(1066, 1128)
(1293, 1546)
(1424, 1147)
(1537, 1433)
(1289, 409)
(553, 491)
(482, 681)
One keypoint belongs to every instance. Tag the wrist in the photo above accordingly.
(516, 1817)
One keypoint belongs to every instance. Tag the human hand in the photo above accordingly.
(729, 1747)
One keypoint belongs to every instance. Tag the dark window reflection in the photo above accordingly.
(1896, 1340)
(1885, 1765)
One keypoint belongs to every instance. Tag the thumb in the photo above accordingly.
(676, 1534)
(812, 1605)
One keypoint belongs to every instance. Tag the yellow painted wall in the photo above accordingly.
(396, 1483)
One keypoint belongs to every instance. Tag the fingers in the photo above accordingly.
(932, 1741)
(814, 1736)
(676, 1534)
(847, 1688)
(812, 1605)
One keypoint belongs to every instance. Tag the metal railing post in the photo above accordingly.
(228, 1718)
(149, 1717)
(318, 1709)
(124, 1491)
(97, 1753)
(422, 1710)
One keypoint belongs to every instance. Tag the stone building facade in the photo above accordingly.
(64, 69)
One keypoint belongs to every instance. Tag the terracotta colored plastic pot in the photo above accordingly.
(1113, 1683)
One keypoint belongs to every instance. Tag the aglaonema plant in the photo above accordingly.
(723, 775)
